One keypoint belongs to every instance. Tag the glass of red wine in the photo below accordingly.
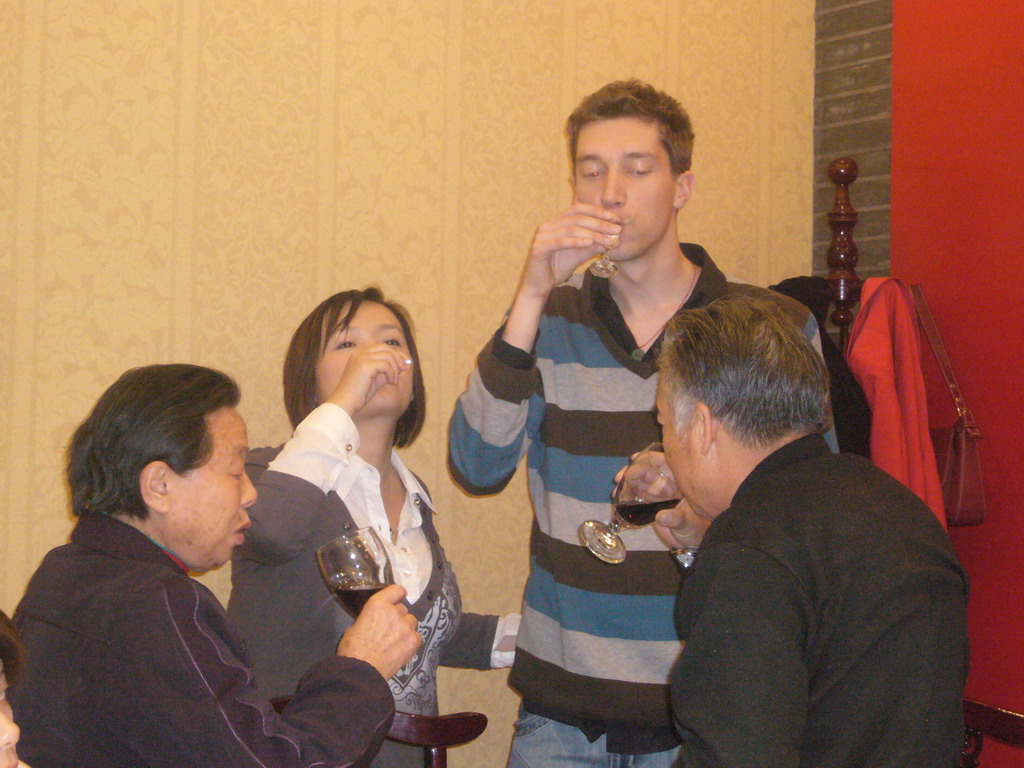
(602, 539)
(355, 567)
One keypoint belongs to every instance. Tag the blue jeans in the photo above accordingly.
(542, 743)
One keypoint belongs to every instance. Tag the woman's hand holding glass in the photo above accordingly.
(369, 369)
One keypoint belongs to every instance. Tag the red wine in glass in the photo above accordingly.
(355, 567)
(637, 515)
(602, 539)
(354, 596)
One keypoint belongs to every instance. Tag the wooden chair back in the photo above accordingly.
(982, 720)
(436, 735)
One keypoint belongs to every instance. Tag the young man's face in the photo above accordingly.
(622, 166)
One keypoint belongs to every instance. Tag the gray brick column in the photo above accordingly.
(852, 117)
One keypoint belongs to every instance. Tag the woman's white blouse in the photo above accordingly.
(324, 452)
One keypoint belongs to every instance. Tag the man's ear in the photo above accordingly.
(684, 188)
(706, 428)
(155, 482)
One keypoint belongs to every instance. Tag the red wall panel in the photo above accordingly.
(957, 215)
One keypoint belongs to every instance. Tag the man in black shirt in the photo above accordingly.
(824, 611)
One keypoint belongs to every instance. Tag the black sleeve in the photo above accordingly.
(510, 355)
(739, 689)
(472, 643)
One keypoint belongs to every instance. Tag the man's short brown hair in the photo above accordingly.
(639, 100)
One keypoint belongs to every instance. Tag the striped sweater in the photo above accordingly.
(597, 641)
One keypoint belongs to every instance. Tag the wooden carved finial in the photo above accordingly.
(842, 255)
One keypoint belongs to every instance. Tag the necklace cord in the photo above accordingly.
(686, 298)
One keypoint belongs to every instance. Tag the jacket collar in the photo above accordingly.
(112, 537)
(801, 449)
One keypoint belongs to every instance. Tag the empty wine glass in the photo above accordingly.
(602, 539)
(605, 267)
(355, 567)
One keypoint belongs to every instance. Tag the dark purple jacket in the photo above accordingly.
(132, 663)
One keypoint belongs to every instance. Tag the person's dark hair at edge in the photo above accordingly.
(307, 347)
(639, 100)
(11, 653)
(153, 413)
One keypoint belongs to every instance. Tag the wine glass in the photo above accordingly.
(605, 267)
(355, 567)
(602, 539)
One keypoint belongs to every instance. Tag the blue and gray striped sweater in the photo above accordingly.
(597, 641)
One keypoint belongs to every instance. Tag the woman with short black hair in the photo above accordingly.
(354, 393)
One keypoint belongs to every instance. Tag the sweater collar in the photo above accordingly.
(711, 284)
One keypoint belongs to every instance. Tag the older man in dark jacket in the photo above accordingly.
(130, 661)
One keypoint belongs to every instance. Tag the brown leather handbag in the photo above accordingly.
(956, 447)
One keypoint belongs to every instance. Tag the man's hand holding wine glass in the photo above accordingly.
(649, 477)
(384, 634)
(356, 568)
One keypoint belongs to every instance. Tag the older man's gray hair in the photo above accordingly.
(750, 365)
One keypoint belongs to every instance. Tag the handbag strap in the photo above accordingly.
(924, 316)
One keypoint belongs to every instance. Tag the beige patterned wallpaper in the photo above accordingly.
(184, 180)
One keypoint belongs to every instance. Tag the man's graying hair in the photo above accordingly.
(746, 360)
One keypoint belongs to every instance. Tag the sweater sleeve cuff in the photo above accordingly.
(507, 372)
(510, 355)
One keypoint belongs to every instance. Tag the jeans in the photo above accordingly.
(542, 743)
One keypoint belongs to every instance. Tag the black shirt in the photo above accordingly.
(824, 622)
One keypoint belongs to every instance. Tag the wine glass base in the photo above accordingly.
(604, 267)
(602, 542)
